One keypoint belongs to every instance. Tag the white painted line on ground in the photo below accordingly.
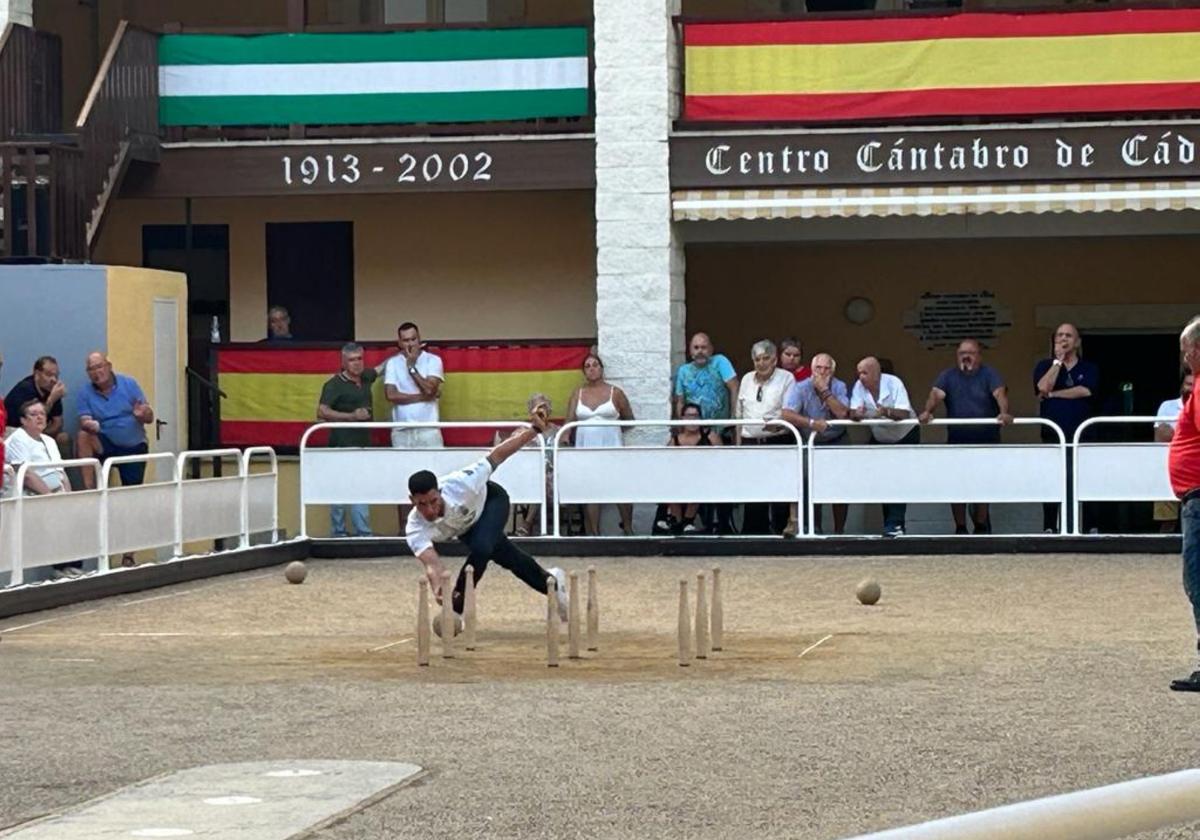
(70, 660)
(143, 634)
(44, 621)
(390, 644)
(188, 591)
(815, 645)
(129, 603)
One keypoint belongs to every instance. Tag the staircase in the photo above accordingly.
(55, 187)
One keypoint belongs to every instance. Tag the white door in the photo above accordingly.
(165, 434)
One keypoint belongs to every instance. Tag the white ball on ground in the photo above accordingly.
(295, 572)
(868, 592)
(437, 624)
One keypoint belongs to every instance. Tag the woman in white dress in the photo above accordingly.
(594, 401)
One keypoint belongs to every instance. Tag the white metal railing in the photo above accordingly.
(352, 475)
(116, 519)
(936, 472)
(804, 472)
(38, 522)
(260, 496)
(655, 474)
(1103, 813)
(1118, 472)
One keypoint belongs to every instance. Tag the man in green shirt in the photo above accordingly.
(346, 398)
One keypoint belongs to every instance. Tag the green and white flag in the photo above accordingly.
(461, 75)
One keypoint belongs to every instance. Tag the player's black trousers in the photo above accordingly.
(487, 541)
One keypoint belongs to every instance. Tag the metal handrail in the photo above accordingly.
(247, 455)
(382, 424)
(1076, 442)
(17, 576)
(939, 421)
(633, 424)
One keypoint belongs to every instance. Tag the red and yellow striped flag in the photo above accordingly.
(272, 390)
(962, 65)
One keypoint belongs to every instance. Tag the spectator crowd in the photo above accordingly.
(783, 385)
(112, 413)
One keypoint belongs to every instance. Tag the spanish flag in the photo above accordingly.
(962, 65)
(272, 389)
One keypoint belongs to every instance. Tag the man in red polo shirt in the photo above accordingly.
(1184, 467)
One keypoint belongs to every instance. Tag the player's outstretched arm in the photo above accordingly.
(510, 446)
(433, 571)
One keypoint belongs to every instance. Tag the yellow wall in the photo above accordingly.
(742, 293)
(131, 294)
(495, 265)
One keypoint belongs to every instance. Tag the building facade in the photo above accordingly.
(873, 178)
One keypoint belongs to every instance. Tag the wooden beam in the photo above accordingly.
(297, 15)
(364, 167)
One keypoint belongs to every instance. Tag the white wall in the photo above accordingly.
(639, 261)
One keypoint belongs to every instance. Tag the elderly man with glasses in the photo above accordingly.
(760, 397)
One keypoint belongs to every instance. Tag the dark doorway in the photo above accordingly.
(206, 264)
(310, 271)
(1137, 372)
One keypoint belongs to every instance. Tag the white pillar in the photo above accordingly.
(639, 260)
(16, 11)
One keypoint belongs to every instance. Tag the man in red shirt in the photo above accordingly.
(1183, 463)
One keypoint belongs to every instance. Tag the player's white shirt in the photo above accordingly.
(464, 492)
(395, 372)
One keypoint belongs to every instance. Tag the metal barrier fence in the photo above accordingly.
(686, 474)
(804, 472)
(1141, 467)
(38, 531)
(936, 472)
(350, 476)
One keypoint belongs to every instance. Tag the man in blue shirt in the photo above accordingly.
(1065, 386)
(972, 390)
(809, 406)
(112, 413)
(710, 382)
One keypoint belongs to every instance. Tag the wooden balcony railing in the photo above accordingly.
(30, 82)
(40, 188)
(119, 120)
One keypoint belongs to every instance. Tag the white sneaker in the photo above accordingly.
(561, 578)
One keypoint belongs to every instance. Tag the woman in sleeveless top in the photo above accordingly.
(681, 518)
(592, 402)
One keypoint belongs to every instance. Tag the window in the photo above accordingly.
(435, 11)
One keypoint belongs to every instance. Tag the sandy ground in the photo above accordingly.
(976, 681)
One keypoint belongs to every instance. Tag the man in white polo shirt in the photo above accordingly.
(412, 381)
(882, 396)
(467, 506)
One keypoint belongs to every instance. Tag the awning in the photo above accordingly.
(694, 205)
